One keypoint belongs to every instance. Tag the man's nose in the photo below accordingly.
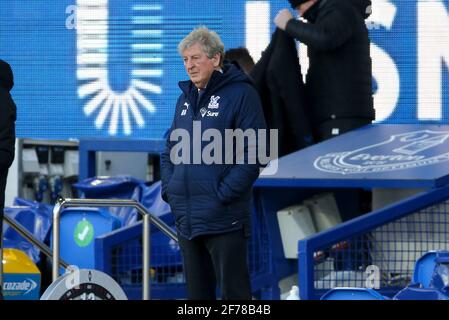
(189, 64)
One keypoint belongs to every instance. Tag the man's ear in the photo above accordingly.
(216, 60)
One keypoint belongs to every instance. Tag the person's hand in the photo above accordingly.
(282, 18)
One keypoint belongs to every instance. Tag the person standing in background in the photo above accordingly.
(339, 80)
(7, 138)
(242, 57)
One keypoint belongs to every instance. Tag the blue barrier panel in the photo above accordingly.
(385, 243)
(381, 239)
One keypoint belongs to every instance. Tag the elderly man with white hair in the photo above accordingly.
(211, 201)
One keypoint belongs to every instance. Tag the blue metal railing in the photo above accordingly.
(119, 254)
(391, 239)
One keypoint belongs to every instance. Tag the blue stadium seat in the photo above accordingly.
(418, 293)
(440, 277)
(424, 268)
(79, 227)
(353, 294)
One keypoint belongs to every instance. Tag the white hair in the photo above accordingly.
(209, 40)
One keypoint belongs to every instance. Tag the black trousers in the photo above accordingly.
(212, 260)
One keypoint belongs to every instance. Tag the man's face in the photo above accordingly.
(198, 65)
(303, 7)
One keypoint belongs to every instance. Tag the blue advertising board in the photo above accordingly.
(110, 68)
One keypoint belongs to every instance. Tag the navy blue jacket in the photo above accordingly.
(212, 198)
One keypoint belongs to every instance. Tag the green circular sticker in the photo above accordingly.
(84, 233)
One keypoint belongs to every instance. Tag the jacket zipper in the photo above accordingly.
(186, 179)
(193, 116)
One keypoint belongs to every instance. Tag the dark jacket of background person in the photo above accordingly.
(340, 75)
(7, 129)
(277, 77)
(214, 198)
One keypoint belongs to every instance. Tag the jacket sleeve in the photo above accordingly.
(166, 164)
(240, 178)
(329, 32)
(284, 72)
(7, 130)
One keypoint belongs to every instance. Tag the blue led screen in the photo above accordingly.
(110, 68)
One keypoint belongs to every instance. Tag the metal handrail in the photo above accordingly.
(30, 238)
(147, 218)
